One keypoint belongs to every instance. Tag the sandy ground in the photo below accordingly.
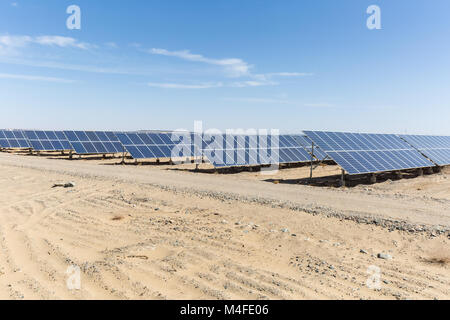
(166, 232)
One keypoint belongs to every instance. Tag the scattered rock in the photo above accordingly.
(64, 185)
(384, 256)
(285, 230)
(363, 251)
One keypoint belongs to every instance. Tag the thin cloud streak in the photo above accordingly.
(184, 86)
(8, 41)
(33, 78)
(209, 85)
(233, 66)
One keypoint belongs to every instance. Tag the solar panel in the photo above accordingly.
(94, 142)
(306, 143)
(368, 153)
(435, 148)
(47, 140)
(13, 139)
(155, 145)
(246, 150)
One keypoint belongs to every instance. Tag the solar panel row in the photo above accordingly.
(13, 139)
(156, 145)
(355, 153)
(221, 150)
(306, 143)
(47, 140)
(435, 148)
(94, 142)
(229, 150)
(368, 153)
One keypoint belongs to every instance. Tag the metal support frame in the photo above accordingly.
(123, 155)
(342, 182)
(315, 159)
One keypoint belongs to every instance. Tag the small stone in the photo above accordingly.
(363, 251)
(285, 230)
(384, 256)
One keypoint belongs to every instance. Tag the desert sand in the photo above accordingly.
(166, 232)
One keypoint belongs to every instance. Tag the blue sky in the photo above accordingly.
(288, 65)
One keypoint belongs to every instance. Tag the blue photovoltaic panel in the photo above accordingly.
(94, 142)
(13, 139)
(47, 140)
(360, 153)
(306, 143)
(435, 148)
(247, 150)
(156, 145)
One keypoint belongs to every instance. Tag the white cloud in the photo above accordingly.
(61, 42)
(15, 41)
(33, 78)
(267, 76)
(184, 86)
(319, 105)
(250, 83)
(111, 45)
(233, 66)
(258, 100)
(22, 41)
(242, 84)
(289, 74)
(14, 4)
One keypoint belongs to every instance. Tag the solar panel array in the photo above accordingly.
(355, 153)
(247, 150)
(149, 145)
(221, 150)
(47, 140)
(94, 142)
(306, 143)
(368, 153)
(13, 139)
(435, 148)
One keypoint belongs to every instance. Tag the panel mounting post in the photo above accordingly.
(312, 160)
(123, 155)
(342, 182)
